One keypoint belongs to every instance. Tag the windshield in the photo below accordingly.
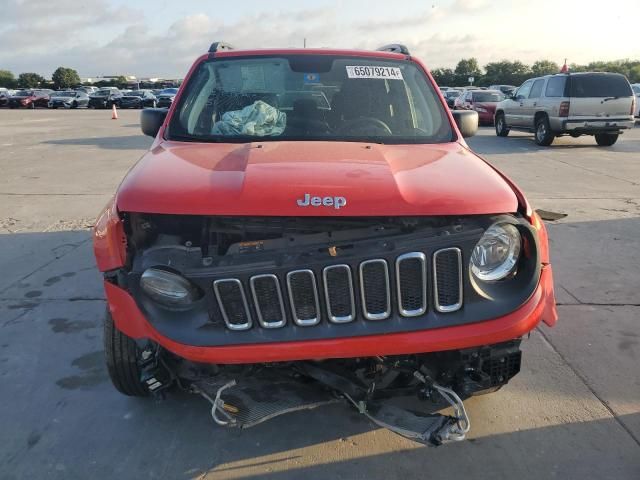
(63, 94)
(636, 89)
(102, 93)
(169, 91)
(136, 93)
(487, 97)
(24, 93)
(310, 97)
(599, 85)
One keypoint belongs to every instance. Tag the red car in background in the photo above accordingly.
(30, 99)
(482, 101)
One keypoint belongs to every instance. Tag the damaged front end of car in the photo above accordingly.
(267, 315)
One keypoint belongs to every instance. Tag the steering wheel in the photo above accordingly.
(365, 124)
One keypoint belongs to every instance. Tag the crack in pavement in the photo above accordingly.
(73, 248)
(594, 171)
(14, 194)
(589, 387)
(594, 304)
(38, 300)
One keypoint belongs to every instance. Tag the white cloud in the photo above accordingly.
(96, 37)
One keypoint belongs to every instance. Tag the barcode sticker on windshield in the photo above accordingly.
(392, 73)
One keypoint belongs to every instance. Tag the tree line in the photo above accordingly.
(506, 72)
(62, 78)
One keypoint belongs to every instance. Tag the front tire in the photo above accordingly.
(501, 126)
(606, 139)
(121, 354)
(543, 135)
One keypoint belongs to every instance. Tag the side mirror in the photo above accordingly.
(151, 119)
(467, 121)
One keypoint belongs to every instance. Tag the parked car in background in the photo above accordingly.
(29, 99)
(593, 103)
(5, 94)
(105, 98)
(451, 95)
(457, 104)
(138, 99)
(636, 91)
(87, 90)
(165, 97)
(506, 89)
(68, 99)
(482, 101)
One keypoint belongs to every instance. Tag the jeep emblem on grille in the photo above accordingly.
(335, 202)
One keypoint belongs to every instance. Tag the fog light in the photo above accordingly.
(496, 254)
(168, 288)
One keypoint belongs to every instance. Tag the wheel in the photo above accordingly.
(121, 354)
(606, 139)
(501, 126)
(74, 104)
(543, 136)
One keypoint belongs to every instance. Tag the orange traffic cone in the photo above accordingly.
(114, 112)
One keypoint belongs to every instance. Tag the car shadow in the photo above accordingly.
(65, 420)
(109, 143)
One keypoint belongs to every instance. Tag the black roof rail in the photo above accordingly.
(395, 48)
(218, 46)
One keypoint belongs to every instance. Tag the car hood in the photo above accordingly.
(269, 178)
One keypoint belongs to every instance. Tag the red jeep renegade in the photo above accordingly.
(310, 226)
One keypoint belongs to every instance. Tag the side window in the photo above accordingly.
(523, 91)
(536, 90)
(555, 87)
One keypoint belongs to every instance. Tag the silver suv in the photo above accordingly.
(599, 104)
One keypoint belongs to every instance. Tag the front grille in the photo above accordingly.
(411, 278)
(374, 288)
(268, 302)
(447, 279)
(374, 284)
(338, 289)
(303, 295)
(233, 303)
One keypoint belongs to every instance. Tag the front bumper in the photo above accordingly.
(539, 307)
(59, 104)
(130, 104)
(98, 103)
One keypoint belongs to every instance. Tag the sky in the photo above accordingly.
(161, 38)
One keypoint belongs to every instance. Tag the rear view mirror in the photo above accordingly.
(467, 121)
(151, 119)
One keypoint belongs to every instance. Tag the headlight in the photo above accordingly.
(496, 254)
(167, 288)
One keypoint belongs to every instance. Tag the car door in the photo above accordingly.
(512, 113)
(529, 105)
